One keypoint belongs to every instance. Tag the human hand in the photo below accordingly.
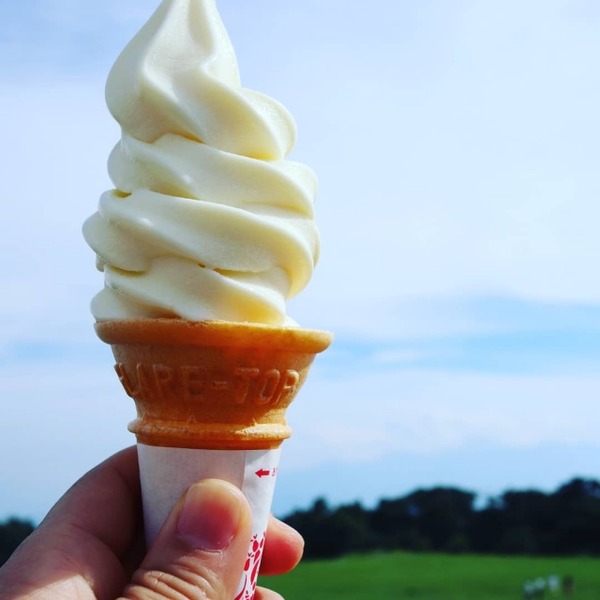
(90, 546)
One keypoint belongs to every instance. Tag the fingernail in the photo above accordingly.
(210, 515)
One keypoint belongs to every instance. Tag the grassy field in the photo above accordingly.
(401, 575)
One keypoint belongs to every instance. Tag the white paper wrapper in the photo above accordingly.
(166, 473)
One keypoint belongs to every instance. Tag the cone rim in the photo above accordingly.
(166, 331)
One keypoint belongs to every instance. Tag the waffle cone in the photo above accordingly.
(212, 384)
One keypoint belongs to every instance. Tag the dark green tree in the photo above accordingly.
(395, 525)
(324, 535)
(12, 533)
(427, 519)
(442, 515)
(577, 507)
(528, 524)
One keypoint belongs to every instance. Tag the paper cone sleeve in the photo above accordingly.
(212, 384)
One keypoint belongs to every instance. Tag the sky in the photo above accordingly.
(456, 145)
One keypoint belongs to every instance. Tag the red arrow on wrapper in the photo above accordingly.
(262, 473)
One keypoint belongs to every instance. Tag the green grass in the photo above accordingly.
(402, 575)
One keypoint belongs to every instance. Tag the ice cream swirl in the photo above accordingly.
(208, 220)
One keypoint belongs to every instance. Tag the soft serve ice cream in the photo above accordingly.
(208, 220)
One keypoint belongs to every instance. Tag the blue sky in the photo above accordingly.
(456, 148)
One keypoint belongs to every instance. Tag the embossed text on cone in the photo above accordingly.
(211, 384)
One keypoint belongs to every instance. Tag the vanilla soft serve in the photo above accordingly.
(208, 220)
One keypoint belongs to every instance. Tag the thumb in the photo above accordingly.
(201, 549)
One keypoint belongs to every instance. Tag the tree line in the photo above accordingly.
(437, 519)
(446, 519)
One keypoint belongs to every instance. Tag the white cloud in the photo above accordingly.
(379, 413)
(59, 138)
(478, 179)
(75, 14)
